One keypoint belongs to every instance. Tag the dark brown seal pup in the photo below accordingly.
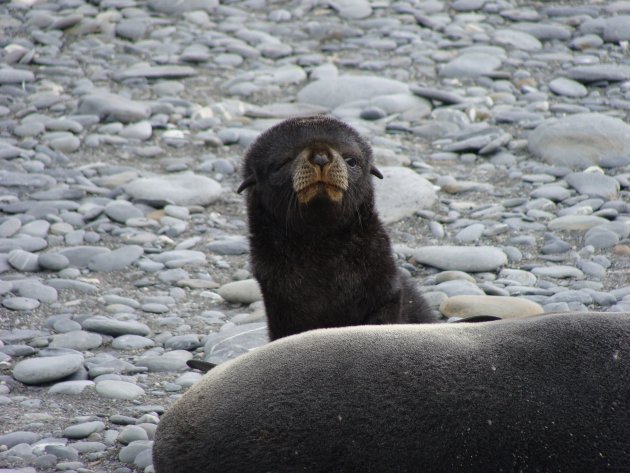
(318, 249)
(541, 394)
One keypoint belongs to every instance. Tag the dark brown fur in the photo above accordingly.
(318, 249)
(538, 395)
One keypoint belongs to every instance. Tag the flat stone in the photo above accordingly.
(575, 222)
(471, 65)
(23, 260)
(107, 326)
(156, 72)
(517, 39)
(558, 272)
(70, 387)
(35, 290)
(41, 370)
(123, 390)
(181, 189)
(20, 303)
(112, 107)
(83, 430)
(229, 245)
(504, 307)
(233, 340)
(183, 6)
(52, 261)
(594, 184)
(12, 439)
(80, 256)
(241, 292)
(617, 29)
(333, 92)
(132, 342)
(458, 287)
(77, 340)
(567, 87)
(460, 258)
(170, 361)
(116, 260)
(580, 140)
(15, 76)
(352, 9)
(599, 72)
(401, 193)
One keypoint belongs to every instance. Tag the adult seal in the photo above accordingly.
(318, 249)
(541, 394)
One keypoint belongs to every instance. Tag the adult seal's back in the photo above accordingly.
(318, 249)
(543, 394)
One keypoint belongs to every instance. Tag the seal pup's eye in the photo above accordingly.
(282, 163)
(350, 161)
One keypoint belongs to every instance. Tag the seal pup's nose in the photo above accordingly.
(320, 159)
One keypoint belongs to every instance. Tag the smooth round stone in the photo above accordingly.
(141, 131)
(599, 72)
(89, 447)
(524, 278)
(171, 361)
(84, 429)
(29, 129)
(113, 107)
(594, 184)
(12, 439)
(601, 238)
(65, 144)
(575, 222)
(80, 256)
(517, 39)
(116, 260)
(182, 342)
(107, 326)
(131, 433)
(552, 192)
(504, 307)
(78, 340)
(241, 292)
(9, 75)
(234, 340)
(458, 287)
(580, 140)
(20, 303)
(333, 92)
(10, 227)
(352, 9)
(52, 261)
(401, 193)
(23, 260)
(472, 64)
(123, 390)
(470, 233)
(558, 272)
(230, 245)
(187, 379)
(460, 258)
(567, 87)
(121, 211)
(35, 290)
(617, 29)
(45, 369)
(132, 342)
(154, 308)
(70, 387)
(570, 297)
(173, 276)
(182, 189)
(62, 452)
(129, 453)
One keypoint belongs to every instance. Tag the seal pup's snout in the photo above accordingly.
(319, 158)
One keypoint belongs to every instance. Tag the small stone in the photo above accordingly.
(567, 87)
(594, 184)
(77, 340)
(52, 261)
(20, 303)
(242, 292)
(461, 258)
(504, 307)
(105, 325)
(23, 260)
(401, 193)
(558, 272)
(116, 260)
(41, 370)
(181, 189)
(123, 390)
(83, 430)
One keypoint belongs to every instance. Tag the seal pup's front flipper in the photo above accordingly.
(476, 318)
(202, 366)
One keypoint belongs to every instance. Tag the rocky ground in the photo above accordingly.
(500, 127)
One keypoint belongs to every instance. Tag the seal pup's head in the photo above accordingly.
(309, 165)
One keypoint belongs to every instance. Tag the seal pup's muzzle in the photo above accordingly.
(319, 171)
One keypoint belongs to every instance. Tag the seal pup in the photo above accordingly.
(318, 249)
(539, 394)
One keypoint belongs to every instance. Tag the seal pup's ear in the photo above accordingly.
(375, 172)
(249, 181)
(202, 366)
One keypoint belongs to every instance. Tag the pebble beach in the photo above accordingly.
(502, 129)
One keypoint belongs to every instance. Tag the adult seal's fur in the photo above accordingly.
(318, 249)
(543, 394)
